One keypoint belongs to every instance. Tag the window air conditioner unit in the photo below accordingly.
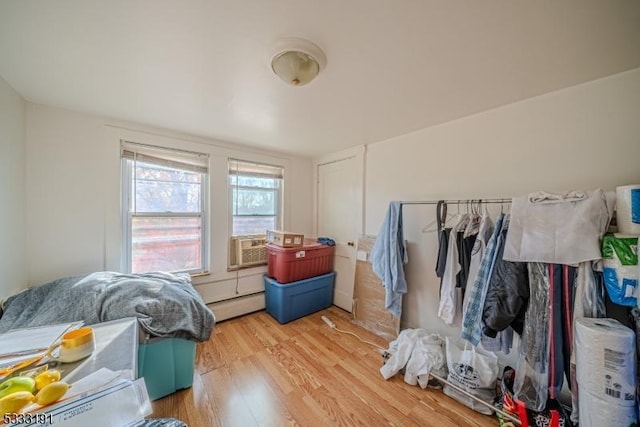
(251, 251)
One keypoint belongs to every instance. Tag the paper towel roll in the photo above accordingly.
(621, 270)
(628, 209)
(605, 361)
(595, 412)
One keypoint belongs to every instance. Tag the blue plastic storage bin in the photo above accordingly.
(286, 302)
(166, 364)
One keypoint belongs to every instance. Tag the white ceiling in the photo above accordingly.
(393, 66)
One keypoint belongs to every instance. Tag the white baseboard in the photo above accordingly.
(237, 306)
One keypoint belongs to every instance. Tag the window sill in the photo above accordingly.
(200, 274)
(244, 267)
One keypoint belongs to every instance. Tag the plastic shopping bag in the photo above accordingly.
(473, 370)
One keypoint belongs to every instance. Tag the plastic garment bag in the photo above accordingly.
(589, 302)
(532, 372)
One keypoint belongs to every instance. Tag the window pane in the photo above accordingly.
(165, 244)
(164, 189)
(254, 202)
(251, 181)
(246, 225)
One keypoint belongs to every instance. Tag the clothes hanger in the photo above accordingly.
(432, 226)
(462, 220)
(475, 218)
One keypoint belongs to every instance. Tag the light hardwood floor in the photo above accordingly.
(255, 372)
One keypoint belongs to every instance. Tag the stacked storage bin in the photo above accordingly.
(299, 279)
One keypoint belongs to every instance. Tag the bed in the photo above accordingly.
(171, 316)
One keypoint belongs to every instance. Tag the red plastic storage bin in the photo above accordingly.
(292, 264)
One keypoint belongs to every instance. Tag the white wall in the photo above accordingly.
(13, 185)
(74, 196)
(583, 137)
(65, 168)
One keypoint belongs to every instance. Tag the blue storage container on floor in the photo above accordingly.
(289, 301)
(166, 364)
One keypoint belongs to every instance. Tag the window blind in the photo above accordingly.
(258, 170)
(172, 158)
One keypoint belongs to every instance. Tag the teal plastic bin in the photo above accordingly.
(166, 364)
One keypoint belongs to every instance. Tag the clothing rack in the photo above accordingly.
(456, 202)
(437, 377)
(482, 402)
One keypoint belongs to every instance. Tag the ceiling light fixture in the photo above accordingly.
(297, 61)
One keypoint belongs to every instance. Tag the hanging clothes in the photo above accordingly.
(485, 230)
(471, 326)
(443, 239)
(465, 248)
(388, 256)
(507, 293)
(465, 241)
(547, 340)
(450, 307)
(502, 342)
(561, 293)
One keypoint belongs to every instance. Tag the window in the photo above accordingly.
(164, 209)
(256, 197)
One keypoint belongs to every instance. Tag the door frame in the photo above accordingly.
(358, 153)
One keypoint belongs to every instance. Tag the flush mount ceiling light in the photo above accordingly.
(297, 61)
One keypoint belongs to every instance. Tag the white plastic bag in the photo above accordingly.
(473, 370)
(418, 353)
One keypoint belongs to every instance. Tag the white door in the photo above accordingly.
(340, 217)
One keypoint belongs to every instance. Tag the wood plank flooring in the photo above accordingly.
(255, 372)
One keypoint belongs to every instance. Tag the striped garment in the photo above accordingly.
(472, 320)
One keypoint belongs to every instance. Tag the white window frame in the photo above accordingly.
(279, 196)
(127, 215)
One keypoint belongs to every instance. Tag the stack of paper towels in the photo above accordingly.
(628, 209)
(606, 373)
(621, 269)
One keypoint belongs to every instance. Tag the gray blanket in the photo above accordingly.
(165, 304)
